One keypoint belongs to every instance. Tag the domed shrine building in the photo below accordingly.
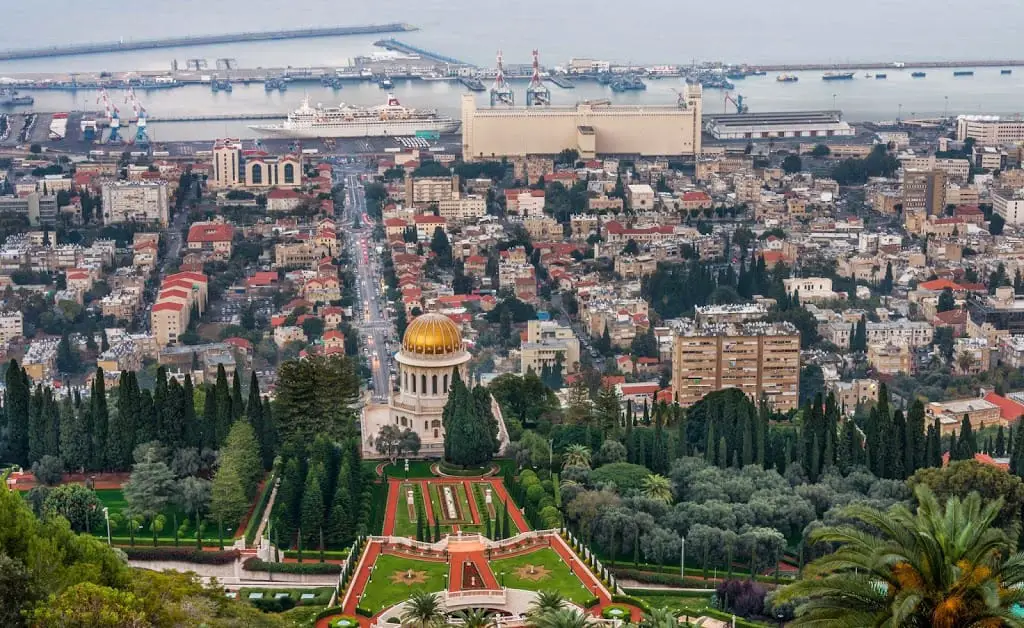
(432, 349)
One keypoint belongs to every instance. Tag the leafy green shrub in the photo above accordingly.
(255, 564)
(364, 611)
(274, 604)
(257, 513)
(629, 599)
(616, 611)
(327, 612)
(345, 621)
(592, 602)
(183, 554)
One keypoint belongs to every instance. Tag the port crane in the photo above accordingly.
(112, 115)
(500, 91)
(537, 93)
(737, 102)
(141, 134)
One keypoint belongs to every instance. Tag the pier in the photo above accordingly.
(562, 82)
(201, 40)
(886, 65)
(409, 49)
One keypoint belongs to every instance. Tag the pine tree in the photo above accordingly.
(254, 414)
(100, 421)
(312, 517)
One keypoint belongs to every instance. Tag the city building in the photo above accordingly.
(462, 210)
(41, 210)
(924, 191)
(40, 361)
(235, 167)
(545, 342)
(1009, 204)
(590, 128)
(901, 332)
(761, 359)
(213, 238)
(11, 326)
(748, 126)
(810, 288)
(997, 315)
(981, 413)
(432, 348)
(730, 313)
(135, 202)
(889, 358)
(989, 130)
(424, 190)
(640, 196)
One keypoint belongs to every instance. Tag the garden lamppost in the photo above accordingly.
(682, 557)
(106, 515)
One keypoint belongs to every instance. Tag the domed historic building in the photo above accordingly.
(432, 349)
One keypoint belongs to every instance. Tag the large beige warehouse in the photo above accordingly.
(592, 128)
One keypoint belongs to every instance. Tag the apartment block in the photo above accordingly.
(135, 202)
(761, 359)
(924, 191)
(423, 190)
(901, 332)
(11, 326)
(545, 341)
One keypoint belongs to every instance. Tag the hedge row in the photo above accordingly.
(185, 554)
(255, 564)
(327, 612)
(257, 513)
(466, 473)
(629, 599)
(364, 611)
(315, 554)
(592, 602)
(650, 577)
(634, 591)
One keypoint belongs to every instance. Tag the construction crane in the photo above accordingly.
(737, 102)
(500, 91)
(537, 93)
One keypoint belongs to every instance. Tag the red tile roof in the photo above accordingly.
(938, 285)
(211, 233)
(173, 306)
(1008, 408)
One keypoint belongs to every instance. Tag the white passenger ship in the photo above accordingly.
(392, 119)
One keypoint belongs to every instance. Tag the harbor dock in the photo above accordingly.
(200, 40)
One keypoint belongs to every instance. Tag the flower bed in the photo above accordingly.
(183, 554)
(616, 611)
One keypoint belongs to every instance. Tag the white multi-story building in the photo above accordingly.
(810, 288)
(989, 130)
(901, 332)
(135, 201)
(1009, 204)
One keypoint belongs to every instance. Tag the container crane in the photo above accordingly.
(537, 93)
(737, 102)
(500, 91)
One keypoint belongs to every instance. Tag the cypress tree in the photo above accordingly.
(16, 405)
(191, 431)
(209, 430)
(899, 435)
(419, 522)
(659, 457)
(36, 425)
(339, 521)
(506, 525)
(100, 421)
(146, 424)
(74, 448)
(270, 434)
(51, 419)
(174, 415)
(915, 454)
(224, 414)
(723, 453)
(312, 517)
(936, 460)
(122, 427)
(1000, 445)
(237, 405)
(748, 441)
(437, 529)
(161, 404)
(628, 434)
(761, 433)
(967, 446)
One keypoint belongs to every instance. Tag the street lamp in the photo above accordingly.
(106, 515)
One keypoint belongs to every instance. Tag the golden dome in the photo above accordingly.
(432, 334)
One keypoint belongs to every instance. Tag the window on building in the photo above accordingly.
(433, 384)
(257, 175)
(423, 384)
(289, 173)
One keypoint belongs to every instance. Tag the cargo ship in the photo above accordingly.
(963, 73)
(1006, 71)
(388, 120)
(837, 76)
(881, 76)
(787, 78)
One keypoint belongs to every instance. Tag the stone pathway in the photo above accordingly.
(266, 513)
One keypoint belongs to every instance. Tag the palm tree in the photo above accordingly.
(422, 609)
(944, 566)
(576, 455)
(546, 601)
(660, 618)
(562, 618)
(656, 486)
(965, 361)
(475, 618)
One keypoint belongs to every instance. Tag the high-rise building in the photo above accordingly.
(227, 163)
(135, 201)
(924, 191)
(761, 359)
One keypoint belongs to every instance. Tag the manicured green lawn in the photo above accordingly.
(381, 592)
(114, 500)
(560, 579)
(677, 603)
(322, 595)
(462, 503)
(479, 491)
(404, 526)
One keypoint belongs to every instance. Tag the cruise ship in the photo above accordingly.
(391, 119)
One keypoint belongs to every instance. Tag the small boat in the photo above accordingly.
(918, 74)
(787, 78)
(880, 76)
(837, 76)
(963, 73)
(736, 76)
(759, 73)
(1006, 71)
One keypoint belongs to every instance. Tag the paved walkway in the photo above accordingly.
(266, 514)
(479, 559)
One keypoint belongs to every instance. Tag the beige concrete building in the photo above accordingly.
(11, 326)
(135, 202)
(423, 190)
(227, 163)
(924, 191)
(954, 169)
(266, 171)
(462, 210)
(640, 196)
(589, 128)
(810, 288)
(888, 358)
(1009, 204)
(629, 267)
(989, 130)
(545, 341)
(980, 413)
(758, 358)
